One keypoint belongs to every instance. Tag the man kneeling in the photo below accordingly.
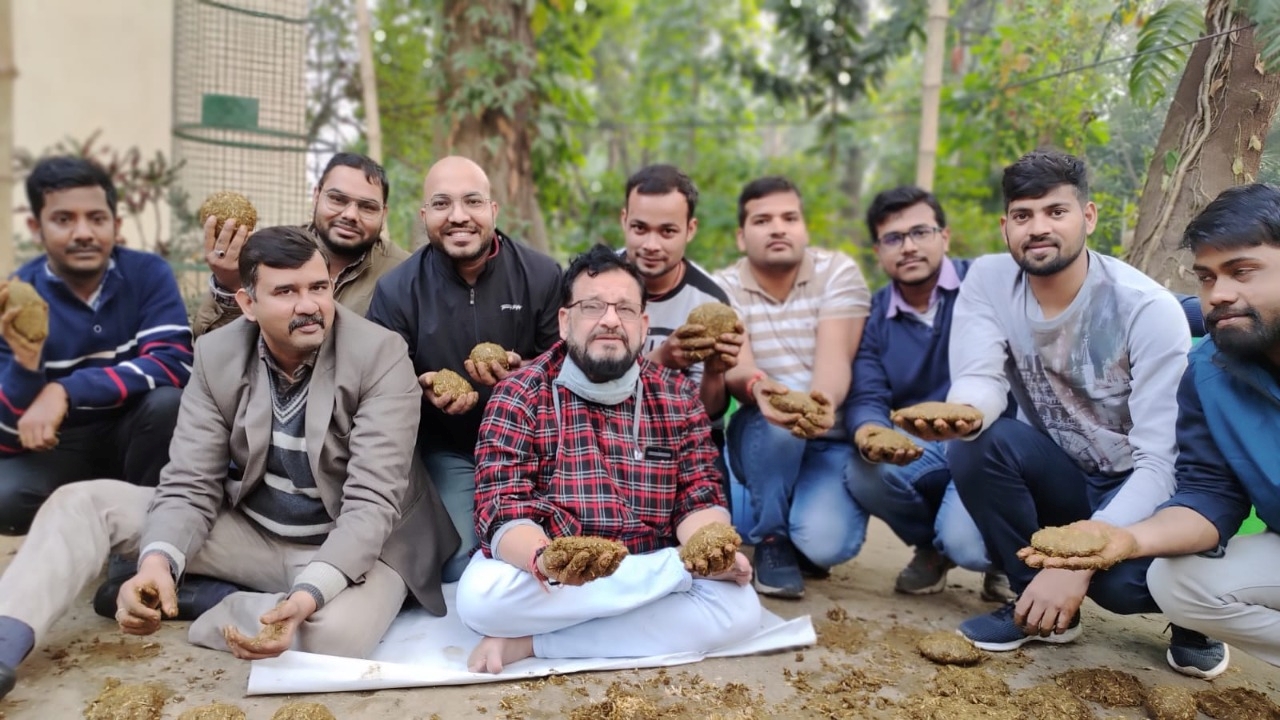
(291, 473)
(591, 440)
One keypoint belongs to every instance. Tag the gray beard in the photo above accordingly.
(602, 370)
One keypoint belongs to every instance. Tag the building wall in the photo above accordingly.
(94, 65)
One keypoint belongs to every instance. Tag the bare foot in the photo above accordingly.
(492, 654)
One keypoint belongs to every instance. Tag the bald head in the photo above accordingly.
(452, 172)
(458, 210)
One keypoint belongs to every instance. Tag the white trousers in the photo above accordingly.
(650, 606)
(82, 523)
(1234, 598)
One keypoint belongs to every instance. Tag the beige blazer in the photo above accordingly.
(363, 407)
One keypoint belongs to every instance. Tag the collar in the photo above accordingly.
(751, 284)
(95, 300)
(445, 265)
(282, 379)
(354, 269)
(948, 279)
(675, 289)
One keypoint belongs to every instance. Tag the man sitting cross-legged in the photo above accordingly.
(589, 439)
(291, 472)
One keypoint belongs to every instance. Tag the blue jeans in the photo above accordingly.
(920, 504)
(798, 488)
(455, 477)
(1015, 480)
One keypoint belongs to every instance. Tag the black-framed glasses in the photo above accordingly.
(338, 202)
(595, 309)
(918, 234)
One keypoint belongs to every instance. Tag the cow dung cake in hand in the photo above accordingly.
(491, 353)
(712, 549)
(227, 205)
(450, 383)
(1068, 542)
(951, 413)
(796, 402)
(718, 319)
(32, 322)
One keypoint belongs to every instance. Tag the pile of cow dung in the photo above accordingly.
(118, 701)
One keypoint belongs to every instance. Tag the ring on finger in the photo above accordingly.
(220, 253)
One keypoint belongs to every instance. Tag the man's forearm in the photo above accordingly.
(518, 544)
(1174, 531)
(713, 393)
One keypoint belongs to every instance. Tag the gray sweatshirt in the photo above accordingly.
(1101, 378)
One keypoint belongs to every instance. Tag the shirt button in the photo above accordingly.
(97, 328)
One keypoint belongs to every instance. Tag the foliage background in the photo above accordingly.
(824, 91)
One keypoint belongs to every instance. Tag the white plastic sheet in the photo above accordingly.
(421, 650)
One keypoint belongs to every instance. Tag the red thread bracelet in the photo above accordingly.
(535, 571)
(751, 384)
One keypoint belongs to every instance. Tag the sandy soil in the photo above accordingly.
(864, 666)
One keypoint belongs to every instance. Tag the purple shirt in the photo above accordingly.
(948, 279)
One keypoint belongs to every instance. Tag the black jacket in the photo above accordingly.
(514, 303)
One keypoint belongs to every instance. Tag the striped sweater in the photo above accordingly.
(132, 339)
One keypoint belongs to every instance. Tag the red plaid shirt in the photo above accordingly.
(598, 482)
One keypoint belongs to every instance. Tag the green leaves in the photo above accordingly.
(1159, 64)
(1266, 16)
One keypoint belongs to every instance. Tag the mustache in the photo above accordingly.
(305, 320)
(610, 334)
(1223, 312)
(1041, 239)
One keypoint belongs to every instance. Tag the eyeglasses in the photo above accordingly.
(918, 235)
(595, 309)
(338, 202)
(443, 203)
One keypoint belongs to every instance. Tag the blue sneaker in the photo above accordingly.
(1196, 655)
(777, 571)
(8, 678)
(997, 632)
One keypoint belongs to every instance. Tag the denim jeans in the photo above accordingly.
(920, 504)
(454, 475)
(798, 488)
(1014, 479)
(132, 444)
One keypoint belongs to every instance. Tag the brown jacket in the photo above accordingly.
(354, 291)
(362, 421)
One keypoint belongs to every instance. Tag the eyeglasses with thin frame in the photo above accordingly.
(918, 234)
(443, 203)
(595, 309)
(338, 202)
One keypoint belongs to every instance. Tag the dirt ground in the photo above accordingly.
(864, 665)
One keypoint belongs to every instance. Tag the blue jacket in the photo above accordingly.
(135, 339)
(1228, 457)
(900, 360)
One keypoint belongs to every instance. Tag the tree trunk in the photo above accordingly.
(368, 81)
(931, 90)
(497, 134)
(1212, 139)
(7, 73)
